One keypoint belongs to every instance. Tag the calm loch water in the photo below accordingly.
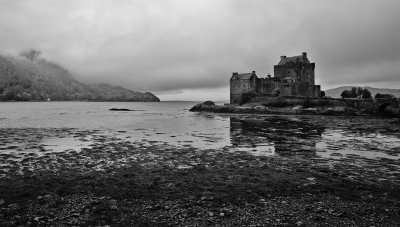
(39, 126)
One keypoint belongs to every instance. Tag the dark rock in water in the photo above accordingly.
(203, 106)
(120, 109)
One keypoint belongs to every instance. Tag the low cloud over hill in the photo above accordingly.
(30, 78)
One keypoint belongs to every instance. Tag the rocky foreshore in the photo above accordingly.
(254, 108)
(123, 183)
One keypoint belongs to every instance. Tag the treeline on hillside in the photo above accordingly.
(384, 96)
(29, 77)
(356, 92)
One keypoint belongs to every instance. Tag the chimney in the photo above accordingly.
(304, 55)
(269, 76)
(283, 57)
(253, 73)
(235, 73)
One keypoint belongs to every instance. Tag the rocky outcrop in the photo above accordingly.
(296, 110)
(207, 105)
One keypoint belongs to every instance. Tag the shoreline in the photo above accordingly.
(254, 108)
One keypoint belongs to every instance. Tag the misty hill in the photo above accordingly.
(23, 79)
(335, 92)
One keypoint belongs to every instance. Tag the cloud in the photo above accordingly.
(172, 46)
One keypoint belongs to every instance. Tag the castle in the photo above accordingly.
(294, 76)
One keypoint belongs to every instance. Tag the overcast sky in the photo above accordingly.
(188, 49)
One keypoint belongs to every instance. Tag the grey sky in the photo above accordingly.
(187, 49)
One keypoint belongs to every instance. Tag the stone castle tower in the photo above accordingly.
(296, 68)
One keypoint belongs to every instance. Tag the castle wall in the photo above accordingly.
(302, 72)
(317, 90)
(283, 71)
(308, 73)
(267, 85)
(240, 86)
(286, 89)
(270, 85)
(305, 90)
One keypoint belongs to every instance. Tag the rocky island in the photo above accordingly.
(323, 106)
(293, 91)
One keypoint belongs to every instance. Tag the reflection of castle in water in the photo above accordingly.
(280, 135)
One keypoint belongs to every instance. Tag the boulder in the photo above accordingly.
(204, 106)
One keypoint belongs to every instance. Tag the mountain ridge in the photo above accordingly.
(23, 79)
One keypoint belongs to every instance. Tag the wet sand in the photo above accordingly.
(70, 176)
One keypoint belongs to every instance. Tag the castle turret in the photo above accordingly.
(304, 56)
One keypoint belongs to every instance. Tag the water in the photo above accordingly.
(42, 127)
